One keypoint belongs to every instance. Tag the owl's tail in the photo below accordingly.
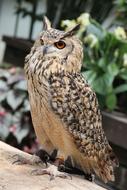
(105, 165)
(102, 164)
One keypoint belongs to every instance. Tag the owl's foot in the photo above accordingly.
(44, 156)
(20, 160)
(32, 160)
(52, 171)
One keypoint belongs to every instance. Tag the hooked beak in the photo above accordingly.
(45, 48)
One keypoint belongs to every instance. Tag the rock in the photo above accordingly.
(18, 177)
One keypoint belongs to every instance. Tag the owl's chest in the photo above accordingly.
(39, 107)
(44, 118)
(38, 95)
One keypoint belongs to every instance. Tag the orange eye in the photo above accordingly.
(42, 42)
(60, 44)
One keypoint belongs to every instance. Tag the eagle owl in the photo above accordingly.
(64, 108)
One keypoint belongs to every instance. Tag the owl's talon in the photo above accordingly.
(52, 171)
(61, 168)
(44, 156)
(20, 160)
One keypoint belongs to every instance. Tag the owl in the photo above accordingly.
(64, 108)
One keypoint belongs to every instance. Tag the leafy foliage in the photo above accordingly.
(58, 10)
(121, 9)
(105, 60)
(15, 120)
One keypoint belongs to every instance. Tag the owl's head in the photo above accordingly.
(63, 46)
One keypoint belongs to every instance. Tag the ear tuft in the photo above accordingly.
(46, 23)
(72, 31)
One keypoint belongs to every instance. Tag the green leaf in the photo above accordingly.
(102, 63)
(123, 73)
(14, 78)
(121, 88)
(14, 99)
(4, 74)
(102, 84)
(111, 101)
(3, 86)
(113, 69)
(90, 76)
(3, 96)
(4, 126)
(3, 90)
(26, 106)
(17, 116)
(99, 86)
(95, 29)
(21, 85)
(20, 133)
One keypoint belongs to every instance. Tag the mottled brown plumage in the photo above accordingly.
(65, 110)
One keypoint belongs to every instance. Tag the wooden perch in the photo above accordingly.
(18, 177)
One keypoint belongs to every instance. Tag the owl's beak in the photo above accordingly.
(45, 48)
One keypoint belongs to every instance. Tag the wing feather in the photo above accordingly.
(72, 99)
